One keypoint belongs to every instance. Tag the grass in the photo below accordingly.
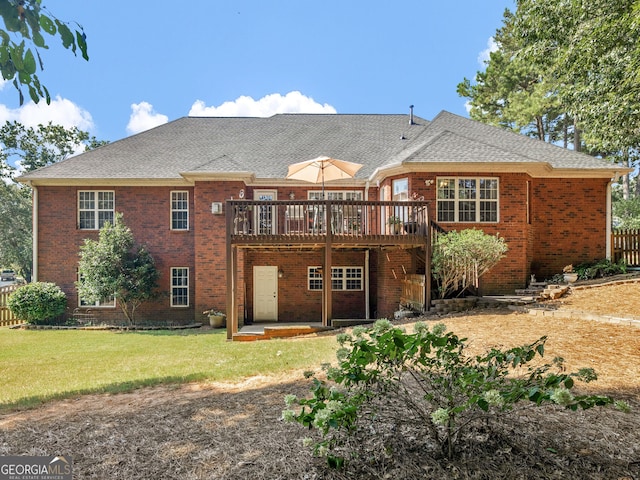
(41, 365)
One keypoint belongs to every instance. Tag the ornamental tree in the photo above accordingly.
(461, 258)
(115, 267)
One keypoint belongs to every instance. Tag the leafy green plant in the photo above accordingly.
(461, 258)
(600, 268)
(427, 373)
(114, 266)
(37, 302)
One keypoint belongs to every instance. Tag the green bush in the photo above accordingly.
(37, 302)
(600, 268)
(461, 258)
(387, 376)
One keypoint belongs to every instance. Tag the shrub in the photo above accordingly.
(37, 302)
(600, 268)
(426, 379)
(461, 258)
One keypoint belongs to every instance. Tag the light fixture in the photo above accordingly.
(280, 273)
(428, 182)
(292, 195)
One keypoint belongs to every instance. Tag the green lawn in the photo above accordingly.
(39, 365)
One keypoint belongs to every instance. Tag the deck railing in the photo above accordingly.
(345, 220)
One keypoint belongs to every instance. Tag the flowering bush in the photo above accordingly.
(428, 371)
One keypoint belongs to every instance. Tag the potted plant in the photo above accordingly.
(395, 223)
(569, 275)
(216, 318)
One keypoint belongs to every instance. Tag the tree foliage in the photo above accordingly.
(26, 23)
(461, 258)
(31, 148)
(568, 71)
(16, 229)
(114, 266)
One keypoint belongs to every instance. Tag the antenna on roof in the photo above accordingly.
(411, 115)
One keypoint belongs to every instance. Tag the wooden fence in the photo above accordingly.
(413, 292)
(6, 317)
(626, 245)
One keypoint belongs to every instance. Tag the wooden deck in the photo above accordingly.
(253, 223)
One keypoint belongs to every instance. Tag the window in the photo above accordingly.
(400, 190)
(342, 278)
(95, 208)
(467, 200)
(180, 287)
(344, 218)
(105, 302)
(180, 210)
(335, 195)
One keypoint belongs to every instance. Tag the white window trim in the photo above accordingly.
(358, 195)
(95, 210)
(477, 200)
(171, 295)
(178, 210)
(344, 278)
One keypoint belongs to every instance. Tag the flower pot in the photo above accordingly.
(217, 321)
(570, 277)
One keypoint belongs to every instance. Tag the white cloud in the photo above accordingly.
(483, 57)
(61, 111)
(143, 117)
(244, 106)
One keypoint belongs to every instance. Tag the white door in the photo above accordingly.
(265, 293)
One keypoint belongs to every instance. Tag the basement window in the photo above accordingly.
(342, 278)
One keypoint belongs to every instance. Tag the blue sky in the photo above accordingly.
(152, 62)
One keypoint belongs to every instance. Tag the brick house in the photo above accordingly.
(209, 198)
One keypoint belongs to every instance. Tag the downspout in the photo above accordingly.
(367, 291)
(609, 253)
(367, 312)
(34, 241)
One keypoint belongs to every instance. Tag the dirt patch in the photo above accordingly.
(234, 431)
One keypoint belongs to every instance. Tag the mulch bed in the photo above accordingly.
(234, 431)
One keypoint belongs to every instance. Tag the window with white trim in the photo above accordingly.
(342, 278)
(180, 210)
(345, 218)
(179, 286)
(95, 208)
(473, 200)
(104, 303)
(335, 194)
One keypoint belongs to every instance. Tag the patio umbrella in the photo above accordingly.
(323, 169)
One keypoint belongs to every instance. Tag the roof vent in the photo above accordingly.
(411, 115)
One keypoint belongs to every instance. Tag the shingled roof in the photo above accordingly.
(263, 147)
